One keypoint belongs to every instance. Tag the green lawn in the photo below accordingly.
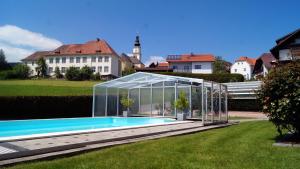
(45, 87)
(243, 146)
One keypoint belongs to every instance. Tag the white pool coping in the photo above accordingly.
(63, 133)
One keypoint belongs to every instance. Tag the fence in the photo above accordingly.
(243, 90)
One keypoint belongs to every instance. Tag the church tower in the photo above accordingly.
(137, 53)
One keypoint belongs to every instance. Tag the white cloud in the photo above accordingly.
(154, 59)
(18, 43)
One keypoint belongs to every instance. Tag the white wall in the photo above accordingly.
(206, 67)
(112, 64)
(242, 67)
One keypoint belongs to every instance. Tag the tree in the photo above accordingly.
(58, 75)
(280, 97)
(73, 73)
(3, 63)
(182, 102)
(128, 71)
(220, 65)
(86, 73)
(41, 68)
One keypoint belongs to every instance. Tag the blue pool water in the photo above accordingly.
(30, 127)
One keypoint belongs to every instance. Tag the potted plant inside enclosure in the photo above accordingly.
(126, 103)
(181, 105)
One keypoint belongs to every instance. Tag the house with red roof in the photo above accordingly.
(191, 63)
(263, 65)
(97, 54)
(243, 65)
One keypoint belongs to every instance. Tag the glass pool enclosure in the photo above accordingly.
(155, 94)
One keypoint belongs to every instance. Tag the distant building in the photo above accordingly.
(244, 65)
(288, 47)
(156, 67)
(133, 60)
(263, 65)
(191, 63)
(97, 54)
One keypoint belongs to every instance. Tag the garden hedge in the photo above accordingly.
(217, 77)
(44, 107)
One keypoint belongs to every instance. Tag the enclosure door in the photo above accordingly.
(169, 98)
(196, 111)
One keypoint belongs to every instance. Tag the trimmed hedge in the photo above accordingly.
(218, 77)
(44, 107)
(243, 105)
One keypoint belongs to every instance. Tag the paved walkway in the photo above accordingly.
(33, 149)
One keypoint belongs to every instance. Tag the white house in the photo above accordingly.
(244, 65)
(191, 63)
(288, 47)
(97, 54)
(263, 65)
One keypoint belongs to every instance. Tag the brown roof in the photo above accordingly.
(156, 69)
(36, 55)
(125, 58)
(135, 60)
(265, 59)
(92, 47)
(163, 64)
(191, 58)
(251, 61)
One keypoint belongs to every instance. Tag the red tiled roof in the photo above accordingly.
(191, 58)
(163, 64)
(251, 61)
(92, 47)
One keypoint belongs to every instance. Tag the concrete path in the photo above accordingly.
(43, 148)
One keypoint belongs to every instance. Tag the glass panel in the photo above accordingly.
(145, 102)
(186, 90)
(216, 102)
(157, 102)
(196, 102)
(169, 101)
(122, 93)
(134, 95)
(100, 101)
(112, 101)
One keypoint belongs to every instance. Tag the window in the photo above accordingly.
(175, 67)
(84, 60)
(99, 69)
(93, 59)
(106, 59)
(57, 60)
(71, 60)
(197, 66)
(93, 69)
(77, 59)
(105, 68)
(51, 60)
(63, 69)
(245, 69)
(186, 68)
(50, 69)
(235, 70)
(100, 59)
(63, 60)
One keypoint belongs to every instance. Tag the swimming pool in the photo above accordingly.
(43, 127)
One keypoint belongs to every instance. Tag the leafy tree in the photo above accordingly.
(86, 73)
(280, 97)
(3, 63)
(220, 65)
(181, 103)
(96, 76)
(57, 73)
(128, 71)
(73, 73)
(41, 68)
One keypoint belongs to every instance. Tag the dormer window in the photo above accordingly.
(78, 51)
(98, 51)
(57, 52)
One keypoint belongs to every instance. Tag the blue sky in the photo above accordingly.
(227, 28)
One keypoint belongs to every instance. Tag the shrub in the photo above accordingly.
(58, 75)
(126, 102)
(96, 76)
(86, 73)
(182, 102)
(219, 77)
(73, 73)
(280, 97)
(20, 71)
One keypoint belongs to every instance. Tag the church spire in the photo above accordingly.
(137, 41)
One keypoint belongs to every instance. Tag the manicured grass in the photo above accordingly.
(247, 145)
(45, 87)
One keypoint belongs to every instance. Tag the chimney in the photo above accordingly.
(98, 39)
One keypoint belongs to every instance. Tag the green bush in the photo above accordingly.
(218, 77)
(20, 71)
(182, 102)
(57, 73)
(96, 76)
(280, 97)
(86, 73)
(73, 74)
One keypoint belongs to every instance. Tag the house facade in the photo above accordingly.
(191, 63)
(288, 47)
(263, 65)
(98, 55)
(244, 66)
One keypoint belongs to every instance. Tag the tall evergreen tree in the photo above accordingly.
(41, 68)
(3, 63)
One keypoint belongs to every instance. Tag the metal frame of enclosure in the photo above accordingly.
(155, 94)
